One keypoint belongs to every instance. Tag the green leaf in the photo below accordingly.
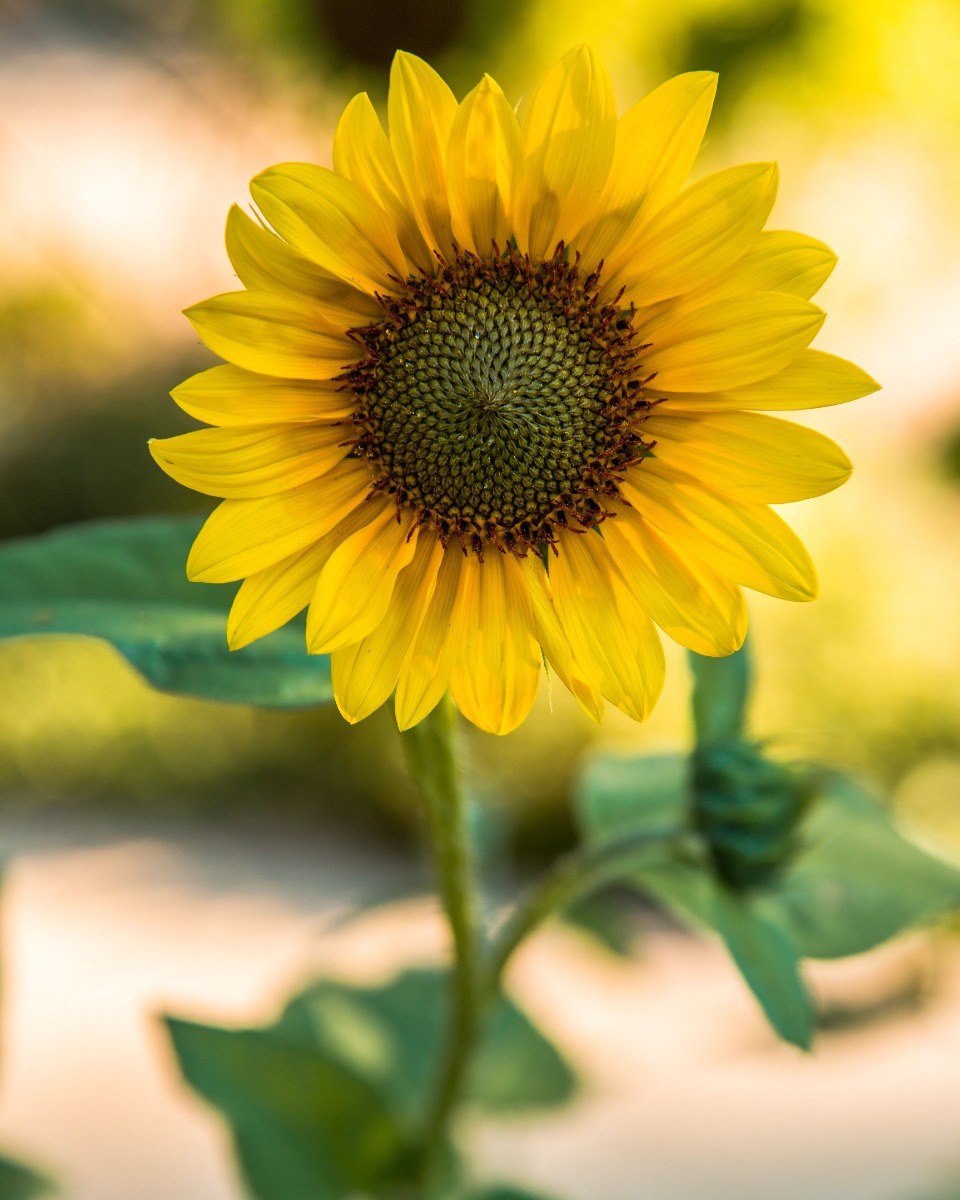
(721, 688)
(759, 943)
(18, 1182)
(124, 581)
(392, 1037)
(303, 1124)
(517, 1068)
(621, 796)
(853, 882)
(599, 916)
(767, 957)
(857, 881)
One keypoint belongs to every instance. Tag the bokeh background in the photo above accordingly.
(171, 852)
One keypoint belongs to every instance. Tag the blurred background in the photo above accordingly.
(172, 852)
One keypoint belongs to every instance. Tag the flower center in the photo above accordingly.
(500, 399)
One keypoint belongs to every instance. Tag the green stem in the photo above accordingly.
(431, 746)
(571, 877)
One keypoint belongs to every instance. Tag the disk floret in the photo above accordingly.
(500, 398)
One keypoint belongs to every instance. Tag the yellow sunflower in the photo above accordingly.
(490, 397)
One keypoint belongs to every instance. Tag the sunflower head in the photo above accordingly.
(493, 397)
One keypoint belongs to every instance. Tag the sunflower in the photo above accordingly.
(491, 397)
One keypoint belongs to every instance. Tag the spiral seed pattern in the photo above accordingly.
(499, 399)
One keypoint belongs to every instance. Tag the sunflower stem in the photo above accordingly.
(433, 756)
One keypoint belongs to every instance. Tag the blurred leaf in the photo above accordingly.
(759, 943)
(853, 883)
(857, 881)
(768, 961)
(621, 796)
(600, 918)
(721, 687)
(303, 1124)
(124, 581)
(517, 1068)
(392, 1037)
(18, 1182)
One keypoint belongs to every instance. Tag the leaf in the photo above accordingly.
(857, 881)
(303, 1124)
(759, 943)
(517, 1068)
(721, 688)
(599, 916)
(768, 960)
(18, 1182)
(392, 1037)
(620, 796)
(124, 581)
(853, 883)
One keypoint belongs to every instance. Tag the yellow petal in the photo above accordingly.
(229, 395)
(696, 236)
(656, 144)
(265, 263)
(420, 113)
(241, 537)
(425, 674)
(748, 543)
(354, 589)
(727, 345)
(275, 595)
(554, 641)
(247, 462)
(778, 261)
(330, 220)
(482, 161)
(496, 676)
(365, 673)
(812, 380)
(363, 154)
(567, 133)
(613, 639)
(749, 456)
(695, 605)
(273, 335)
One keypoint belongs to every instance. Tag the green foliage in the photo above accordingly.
(852, 883)
(600, 918)
(18, 1182)
(303, 1124)
(744, 804)
(619, 796)
(124, 581)
(391, 1035)
(857, 881)
(331, 1098)
(747, 807)
(721, 687)
(767, 956)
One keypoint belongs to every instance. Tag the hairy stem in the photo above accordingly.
(432, 751)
